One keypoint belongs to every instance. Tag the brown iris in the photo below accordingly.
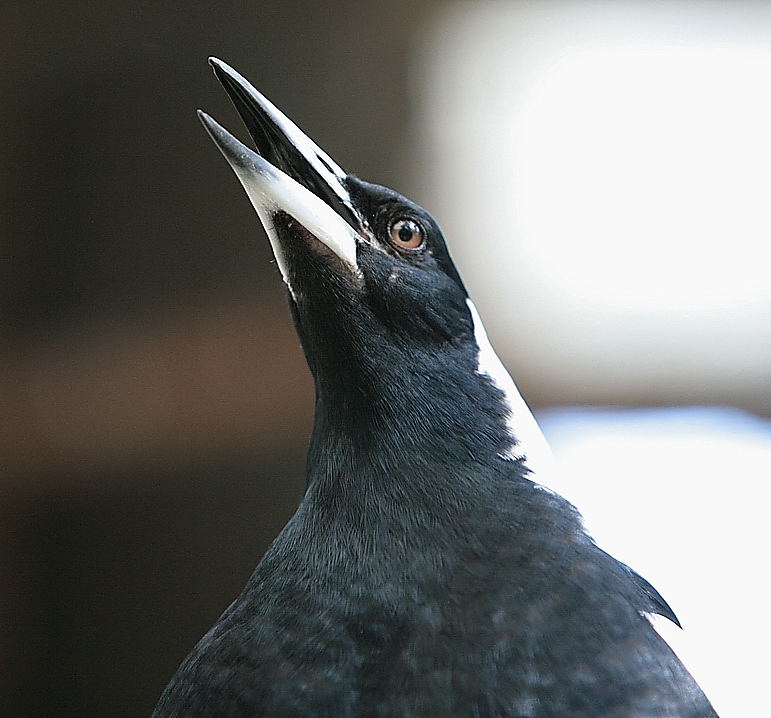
(407, 234)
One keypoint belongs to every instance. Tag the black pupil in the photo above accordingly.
(407, 232)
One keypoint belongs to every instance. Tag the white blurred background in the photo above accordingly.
(603, 171)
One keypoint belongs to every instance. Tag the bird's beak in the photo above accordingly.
(288, 174)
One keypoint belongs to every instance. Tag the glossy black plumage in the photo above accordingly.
(425, 573)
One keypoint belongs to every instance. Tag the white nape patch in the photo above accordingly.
(271, 190)
(527, 441)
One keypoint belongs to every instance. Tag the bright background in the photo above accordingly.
(607, 168)
(601, 172)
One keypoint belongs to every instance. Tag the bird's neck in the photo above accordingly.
(434, 432)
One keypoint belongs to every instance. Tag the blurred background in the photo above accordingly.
(602, 173)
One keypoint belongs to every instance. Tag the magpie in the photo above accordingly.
(427, 572)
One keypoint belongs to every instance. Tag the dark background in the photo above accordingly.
(156, 403)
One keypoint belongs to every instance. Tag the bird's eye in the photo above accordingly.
(407, 234)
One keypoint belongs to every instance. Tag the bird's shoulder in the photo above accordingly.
(482, 620)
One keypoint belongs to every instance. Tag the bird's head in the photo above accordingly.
(398, 354)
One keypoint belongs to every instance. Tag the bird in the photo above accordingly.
(428, 570)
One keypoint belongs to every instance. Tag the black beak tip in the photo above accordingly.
(222, 71)
(213, 128)
(204, 118)
(234, 151)
(234, 84)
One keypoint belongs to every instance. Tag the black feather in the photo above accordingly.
(423, 575)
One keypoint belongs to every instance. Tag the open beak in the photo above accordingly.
(288, 174)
